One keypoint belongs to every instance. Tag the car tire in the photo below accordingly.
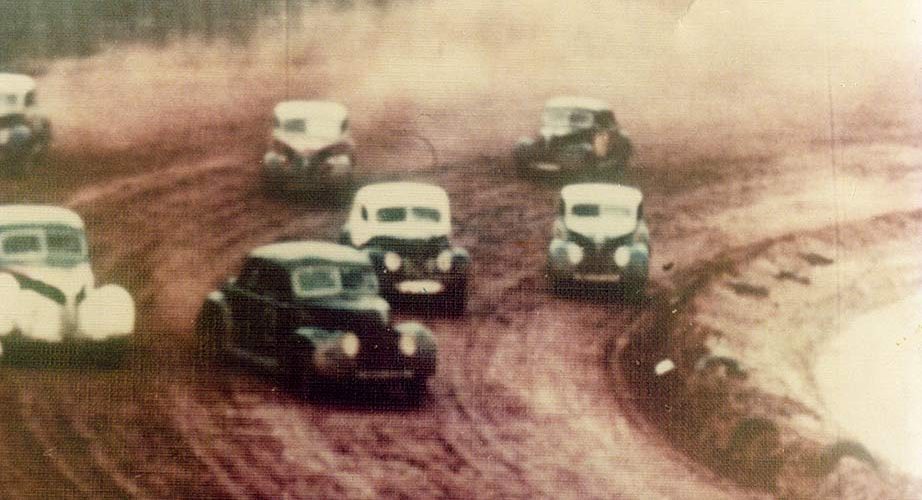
(455, 301)
(210, 330)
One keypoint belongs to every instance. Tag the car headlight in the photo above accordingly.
(392, 261)
(444, 261)
(339, 160)
(622, 256)
(408, 344)
(349, 343)
(574, 253)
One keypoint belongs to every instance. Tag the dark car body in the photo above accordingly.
(310, 311)
(579, 138)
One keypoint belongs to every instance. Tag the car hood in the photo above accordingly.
(307, 145)
(359, 314)
(599, 229)
(53, 282)
(397, 231)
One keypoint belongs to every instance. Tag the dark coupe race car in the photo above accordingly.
(579, 139)
(310, 312)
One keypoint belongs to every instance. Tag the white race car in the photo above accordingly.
(600, 237)
(48, 295)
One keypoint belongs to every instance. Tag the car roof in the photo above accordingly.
(402, 193)
(301, 252)
(311, 109)
(16, 83)
(577, 102)
(601, 193)
(20, 215)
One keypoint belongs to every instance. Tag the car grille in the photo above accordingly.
(378, 352)
(599, 257)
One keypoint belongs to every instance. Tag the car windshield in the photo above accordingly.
(51, 244)
(328, 280)
(567, 117)
(596, 210)
(418, 214)
(315, 128)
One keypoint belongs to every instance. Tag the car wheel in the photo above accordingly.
(455, 301)
(209, 335)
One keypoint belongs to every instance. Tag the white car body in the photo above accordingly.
(364, 225)
(311, 144)
(47, 288)
(599, 235)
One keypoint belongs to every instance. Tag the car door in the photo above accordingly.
(244, 298)
(272, 306)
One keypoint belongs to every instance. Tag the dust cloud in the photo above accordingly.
(471, 76)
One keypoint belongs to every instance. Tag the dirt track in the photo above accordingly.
(523, 404)
(520, 408)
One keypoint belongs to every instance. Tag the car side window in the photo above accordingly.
(249, 276)
(345, 126)
(275, 283)
(364, 213)
(606, 119)
(640, 212)
(30, 98)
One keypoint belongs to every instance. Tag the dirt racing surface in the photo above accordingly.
(745, 170)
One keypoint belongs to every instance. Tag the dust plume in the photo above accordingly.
(471, 76)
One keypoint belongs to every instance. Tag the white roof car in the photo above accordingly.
(47, 288)
(18, 215)
(599, 211)
(587, 103)
(399, 209)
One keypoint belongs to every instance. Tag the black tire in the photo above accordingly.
(210, 331)
(455, 301)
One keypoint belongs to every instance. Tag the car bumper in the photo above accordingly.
(420, 286)
(307, 179)
(394, 366)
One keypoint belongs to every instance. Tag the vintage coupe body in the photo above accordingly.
(579, 138)
(48, 295)
(599, 237)
(310, 312)
(405, 227)
(311, 148)
(25, 134)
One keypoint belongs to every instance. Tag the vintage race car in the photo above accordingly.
(599, 237)
(405, 229)
(25, 134)
(310, 312)
(48, 295)
(311, 147)
(579, 137)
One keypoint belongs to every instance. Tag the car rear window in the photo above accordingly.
(296, 125)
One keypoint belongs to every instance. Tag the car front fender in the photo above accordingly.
(108, 311)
